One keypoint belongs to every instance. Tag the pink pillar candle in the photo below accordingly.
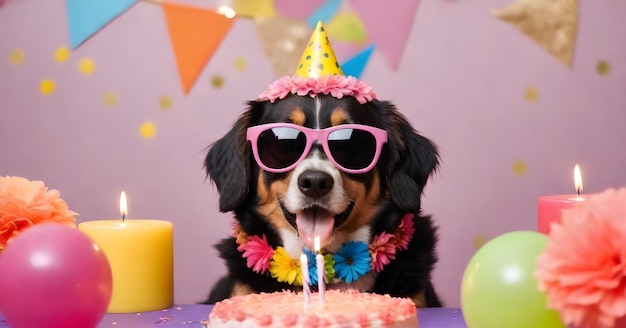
(550, 207)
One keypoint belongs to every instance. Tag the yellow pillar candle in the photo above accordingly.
(140, 253)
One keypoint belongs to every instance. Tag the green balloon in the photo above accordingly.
(499, 287)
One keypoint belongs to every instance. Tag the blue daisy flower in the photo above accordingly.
(352, 261)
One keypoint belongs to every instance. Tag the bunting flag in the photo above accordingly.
(254, 8)
(387, 26)
(283, 40)
(347, 27)
(355, 65)
(324, 13)
(297, 9)
(550, 23)
(87, 17)
(195, 34)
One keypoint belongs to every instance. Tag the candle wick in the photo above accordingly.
(123, 218)
(578, 191)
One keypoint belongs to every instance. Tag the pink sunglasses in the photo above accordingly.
(280, 147)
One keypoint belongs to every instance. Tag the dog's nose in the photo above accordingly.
(315, 184)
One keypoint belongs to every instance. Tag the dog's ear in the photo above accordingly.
(412, 160)
(228, 161)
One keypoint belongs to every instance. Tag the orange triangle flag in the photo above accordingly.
(195, 34)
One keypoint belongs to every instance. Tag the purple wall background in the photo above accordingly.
(461, 83)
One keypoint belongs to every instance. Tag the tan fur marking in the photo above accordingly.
(339, 116)
(241, 289)
(419, 300)
(269, 207)
(365, 204)
(297, 116)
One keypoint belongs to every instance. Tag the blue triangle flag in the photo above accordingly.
(86, 17)
(324, 13)
(355, 65)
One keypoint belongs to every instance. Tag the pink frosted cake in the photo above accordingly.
(341, 309)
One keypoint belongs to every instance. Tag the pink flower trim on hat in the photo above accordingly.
(337, 86)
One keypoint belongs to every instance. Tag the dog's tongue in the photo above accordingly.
(314, 223)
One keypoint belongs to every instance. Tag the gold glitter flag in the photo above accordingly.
(282, 39)
(551, 23)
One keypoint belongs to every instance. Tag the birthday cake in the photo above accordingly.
(288, 309)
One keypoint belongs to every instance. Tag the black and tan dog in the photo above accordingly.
(279, 188)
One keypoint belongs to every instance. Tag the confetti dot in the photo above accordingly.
(147, 130)
(479, 242)
(165, 102)
(62, 54)
(109, 99)
(520, 168)
(603, 68)
(17, 56)
(217, 81)
(86, 66)
(531, 94)
(240, 64)
(47, 86)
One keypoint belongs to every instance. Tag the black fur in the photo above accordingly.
(406, 163)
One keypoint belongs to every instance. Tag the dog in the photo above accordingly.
(289, 194)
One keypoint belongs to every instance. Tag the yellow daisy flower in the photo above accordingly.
(284, 268)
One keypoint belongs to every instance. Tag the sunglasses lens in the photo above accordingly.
(280, 147)
(353, 149)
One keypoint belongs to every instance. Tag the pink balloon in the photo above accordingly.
(53, 275)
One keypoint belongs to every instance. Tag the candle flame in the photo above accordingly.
(578, 180)
(316, 244)
(123, 206)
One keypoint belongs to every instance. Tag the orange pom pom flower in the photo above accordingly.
(24, 203)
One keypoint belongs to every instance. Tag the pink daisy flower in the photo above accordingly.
(583, 269)
(383, 250)
(258, 254)
(405, 232)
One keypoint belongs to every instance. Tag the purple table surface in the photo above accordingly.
(195, 316)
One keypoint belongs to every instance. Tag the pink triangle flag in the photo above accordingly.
(387, 26)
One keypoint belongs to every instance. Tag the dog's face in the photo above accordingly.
(324, 191)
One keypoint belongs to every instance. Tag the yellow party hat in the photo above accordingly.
(318, 58)
(319, 73)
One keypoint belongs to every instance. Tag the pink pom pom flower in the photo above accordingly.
(583, 269)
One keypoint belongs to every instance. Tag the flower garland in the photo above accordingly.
(337, 86)
(353, 259)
